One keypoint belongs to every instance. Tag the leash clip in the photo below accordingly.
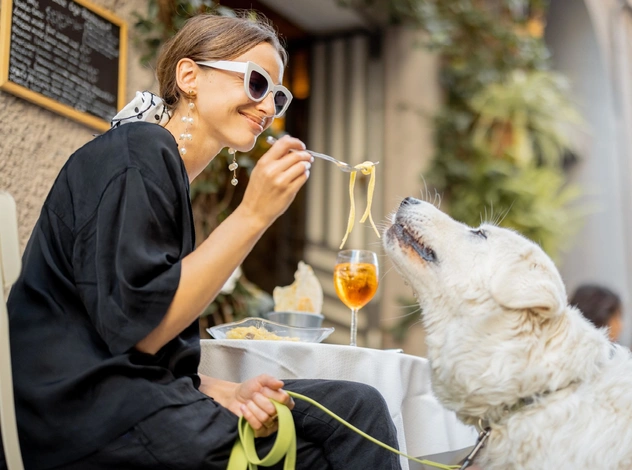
(480, 443)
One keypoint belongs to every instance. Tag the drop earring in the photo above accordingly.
(233, 167)
(188, 120)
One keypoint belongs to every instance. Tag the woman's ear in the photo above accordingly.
(186, 76)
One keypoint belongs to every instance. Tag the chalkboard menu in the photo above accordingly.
(66, 55)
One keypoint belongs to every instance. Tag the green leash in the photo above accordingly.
(244, 454)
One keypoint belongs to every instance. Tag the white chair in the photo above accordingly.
(10, 266)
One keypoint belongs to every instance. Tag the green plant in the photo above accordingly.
(509, 158)
(500, 135)
(164, 18)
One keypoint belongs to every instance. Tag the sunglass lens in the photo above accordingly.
(258, 85)
(280, 100)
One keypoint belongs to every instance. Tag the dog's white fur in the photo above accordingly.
(506, 348)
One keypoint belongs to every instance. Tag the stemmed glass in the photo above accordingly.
(355, 280)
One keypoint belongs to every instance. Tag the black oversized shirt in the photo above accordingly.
(99, 273)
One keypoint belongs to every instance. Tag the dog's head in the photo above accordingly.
(494, 308)
(458, 265)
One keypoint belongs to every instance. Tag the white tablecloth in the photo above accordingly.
(424, 427)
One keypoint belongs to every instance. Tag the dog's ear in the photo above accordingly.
(528, 285)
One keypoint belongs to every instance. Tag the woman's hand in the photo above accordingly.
(250, 399)
(253, 398)
(276, 178)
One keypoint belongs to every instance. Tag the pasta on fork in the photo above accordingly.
(367, 168)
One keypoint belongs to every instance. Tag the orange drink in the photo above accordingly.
(355, 280)
(355, 283)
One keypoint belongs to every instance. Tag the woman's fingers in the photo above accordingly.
(282, 177)
(291, 159)
(280, 396)
(276, 179)
(267, 381)
(258, 413)
(257, 408)
(285, 153)
(261, 415)
(272, 388)
(261, 429)
(282, 147)
(288, 168)
(278, 188)
(295, 169)
(264, 404)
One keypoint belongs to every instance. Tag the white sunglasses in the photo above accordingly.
(257, 83)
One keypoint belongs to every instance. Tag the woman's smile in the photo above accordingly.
(255, 123)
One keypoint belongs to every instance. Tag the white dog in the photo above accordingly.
(507, 349)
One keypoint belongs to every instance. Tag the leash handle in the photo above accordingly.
(244, 454)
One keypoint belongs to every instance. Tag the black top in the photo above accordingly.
(99, 273)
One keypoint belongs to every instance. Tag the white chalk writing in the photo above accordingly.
(65, 51)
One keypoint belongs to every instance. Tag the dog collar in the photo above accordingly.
(485, 426)
(526, 401)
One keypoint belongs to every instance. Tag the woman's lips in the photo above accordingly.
(254, 123)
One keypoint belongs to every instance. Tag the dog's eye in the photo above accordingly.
(480, 233)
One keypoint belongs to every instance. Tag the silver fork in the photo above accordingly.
(341, 165)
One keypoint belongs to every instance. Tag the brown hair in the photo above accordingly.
(211, 37)
(599, 304)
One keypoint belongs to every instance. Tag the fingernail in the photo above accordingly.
(308, 165)
(307, 173)
(311, 159)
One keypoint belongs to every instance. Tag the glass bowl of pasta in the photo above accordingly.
(262, 329)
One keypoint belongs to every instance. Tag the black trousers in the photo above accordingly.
(201, 435)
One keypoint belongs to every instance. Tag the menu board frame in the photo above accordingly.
(6, 24)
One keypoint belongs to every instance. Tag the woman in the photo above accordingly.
(104, 332)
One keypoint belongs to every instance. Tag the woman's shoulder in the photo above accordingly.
(152, 147)
(144, 149)
(136, 144)
(146, 133)
(147, 147)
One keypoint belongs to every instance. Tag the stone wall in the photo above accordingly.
(35, 143)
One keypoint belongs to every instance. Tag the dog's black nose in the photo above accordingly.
(409, 201)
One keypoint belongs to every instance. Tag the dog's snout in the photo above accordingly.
(409, 201)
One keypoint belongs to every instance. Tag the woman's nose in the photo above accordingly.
(267, 104)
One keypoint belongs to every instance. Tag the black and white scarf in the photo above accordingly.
(144, 107)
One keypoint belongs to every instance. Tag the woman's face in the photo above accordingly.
(226, 114)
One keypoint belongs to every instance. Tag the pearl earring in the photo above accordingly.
(188, 120)
(233, 167)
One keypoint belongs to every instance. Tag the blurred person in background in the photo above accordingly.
(601, 306)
